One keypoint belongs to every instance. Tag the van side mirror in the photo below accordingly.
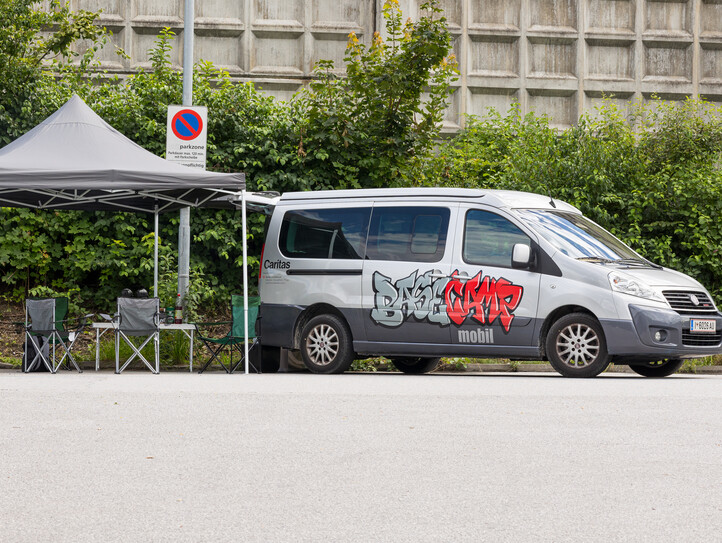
(521, 256)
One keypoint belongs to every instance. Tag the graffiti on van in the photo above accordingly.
(441, 300)
(419, 295)
(483, 298)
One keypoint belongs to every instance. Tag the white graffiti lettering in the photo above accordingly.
(420, 296)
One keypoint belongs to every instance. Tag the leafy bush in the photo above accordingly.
(299, 145)
(652, 178)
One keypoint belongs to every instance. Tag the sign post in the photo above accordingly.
(186, 144)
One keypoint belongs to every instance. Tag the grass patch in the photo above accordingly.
(13, 361)
(691, 365)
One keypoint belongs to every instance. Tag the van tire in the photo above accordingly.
(326, 345)
(662, 368)
(416, 365)
(576, 347)
(295, 360)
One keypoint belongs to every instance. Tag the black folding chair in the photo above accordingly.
(137, 317)
(45, 327)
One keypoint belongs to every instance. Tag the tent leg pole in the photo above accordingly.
(245, 275)
(155, 255)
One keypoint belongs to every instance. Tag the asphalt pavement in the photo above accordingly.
(359, 457)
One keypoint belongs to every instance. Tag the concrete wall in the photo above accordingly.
(552, 56)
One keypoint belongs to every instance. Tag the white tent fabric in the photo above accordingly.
(75, 160)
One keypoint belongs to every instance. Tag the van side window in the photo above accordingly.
(489, 239)
(416, 234)
(325, 233)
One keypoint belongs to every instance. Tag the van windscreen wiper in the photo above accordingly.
(637, 262)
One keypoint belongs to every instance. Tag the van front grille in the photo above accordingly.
(683, 301)
(701, 340)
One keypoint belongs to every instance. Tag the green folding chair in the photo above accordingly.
(236, 336)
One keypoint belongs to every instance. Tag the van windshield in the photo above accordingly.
(576, 236)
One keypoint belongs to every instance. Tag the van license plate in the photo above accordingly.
(699, 325)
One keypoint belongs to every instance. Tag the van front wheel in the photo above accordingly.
(576, 347)
(416, 365)
(326, 345)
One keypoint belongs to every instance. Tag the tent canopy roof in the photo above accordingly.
(75, 160)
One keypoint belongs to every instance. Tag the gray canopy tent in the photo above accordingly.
(75, 160)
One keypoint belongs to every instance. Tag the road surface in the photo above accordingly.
(359, 457)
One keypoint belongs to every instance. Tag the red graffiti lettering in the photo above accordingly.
(484, 299)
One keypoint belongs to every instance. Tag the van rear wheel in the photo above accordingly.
(576, 347)
(326, 345)
(415, 365)
(661, 368)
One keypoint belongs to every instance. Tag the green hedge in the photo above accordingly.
(651, 175)
(333, 134)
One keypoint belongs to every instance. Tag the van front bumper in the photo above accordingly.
(661, 333)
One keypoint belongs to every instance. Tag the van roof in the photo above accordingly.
(496, 198)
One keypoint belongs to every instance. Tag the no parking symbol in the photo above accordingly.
(187, 124)
(186, 139)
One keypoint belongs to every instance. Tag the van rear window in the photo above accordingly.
(413, 234)
(325, 233)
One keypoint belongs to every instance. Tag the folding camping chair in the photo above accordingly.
(45, 320)
(236, 336)
(137, 317)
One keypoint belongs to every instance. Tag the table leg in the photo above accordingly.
(97, 348)
(191, 355)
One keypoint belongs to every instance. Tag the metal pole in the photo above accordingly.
(245, 276)
(188, 28)
(184, 251)
(155, 254)
(184, 228)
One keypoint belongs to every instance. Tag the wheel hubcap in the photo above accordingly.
(322, 345)
(578, 345)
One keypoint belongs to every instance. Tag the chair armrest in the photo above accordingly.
(82, 321)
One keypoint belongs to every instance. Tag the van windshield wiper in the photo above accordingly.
(623, 261)
(638, 262)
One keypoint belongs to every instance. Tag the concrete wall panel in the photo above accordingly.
(157, 11)
(668, 61)
(557, 57)
(711, 18)
(494, 56)
(495, 15)
(670, 18)
(225, 50)
(610, 16)
(552, 57)
(712, 65)
(610, 60)
(482, 99)
(142, 40)
(553, 14)
(560, 107)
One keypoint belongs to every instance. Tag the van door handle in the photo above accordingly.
(438, 276)
(461, 277)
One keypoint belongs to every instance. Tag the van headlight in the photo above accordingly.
(626, 284)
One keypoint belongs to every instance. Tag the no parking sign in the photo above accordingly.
(186, 139)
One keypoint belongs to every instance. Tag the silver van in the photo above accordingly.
(416, 274)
